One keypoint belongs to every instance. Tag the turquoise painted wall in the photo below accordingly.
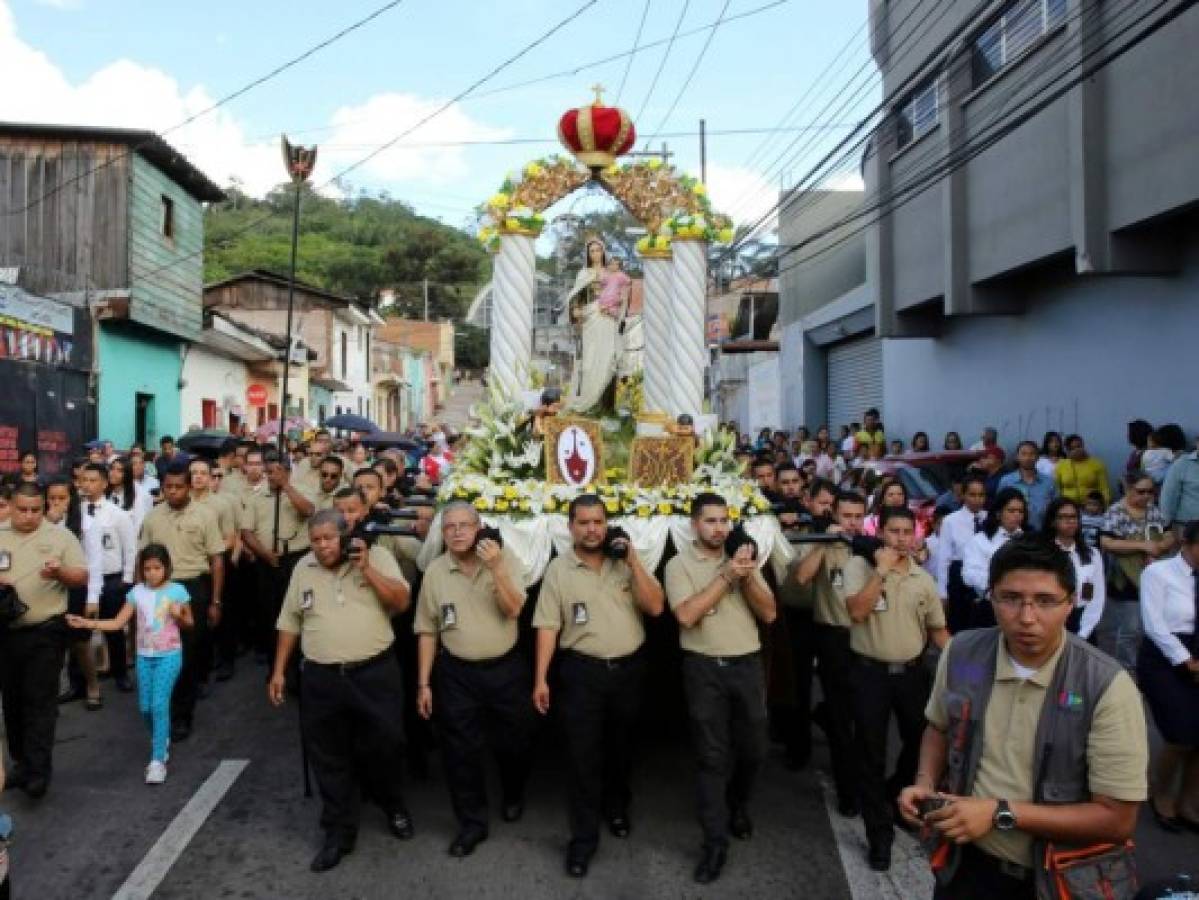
(131, 362)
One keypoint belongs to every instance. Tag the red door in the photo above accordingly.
(208, 413)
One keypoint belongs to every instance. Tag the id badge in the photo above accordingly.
(106, 541)
(5, 560)
(307, 599)
(579, 611)
(881, 605)
(1088, 592)
(837, 578)
(449, 617)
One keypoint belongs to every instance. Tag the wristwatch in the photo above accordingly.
(1004, 819)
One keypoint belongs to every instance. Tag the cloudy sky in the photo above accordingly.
(143, 64)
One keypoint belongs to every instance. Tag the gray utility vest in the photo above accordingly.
(1060, 749)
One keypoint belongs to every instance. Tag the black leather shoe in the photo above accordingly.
(511, 812)
(35, 787)
(180, 731)
(400, 825)
(328, 857)
(466, 842)
(577, 864)
(620, 826)
(879, 857)
(740, 825)
(711, 862)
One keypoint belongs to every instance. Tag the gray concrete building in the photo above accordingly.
(1026, 250)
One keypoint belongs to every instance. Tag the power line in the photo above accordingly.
(665, 56)
(690, 75)
(228, 98)
(636, 41)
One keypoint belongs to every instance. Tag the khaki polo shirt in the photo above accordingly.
(829, 587)
(405, 548)
(336, 612)
(260, 518)
(462, 610)
(21, 559)
(321, 500)
(729, 628)
(1117, 749)
(790, 592)
(593, 612)
(234, 484)
(191, 535)
(306, 476)
(909, 605)
(223, 508)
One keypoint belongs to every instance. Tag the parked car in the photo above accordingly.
(926, 476)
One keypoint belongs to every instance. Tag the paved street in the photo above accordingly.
(456, 413)
(100, 824)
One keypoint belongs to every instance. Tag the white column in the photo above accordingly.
(657, 303)
(688, 353)
(513, 286)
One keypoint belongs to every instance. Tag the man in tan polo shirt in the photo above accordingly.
(338, 609)
(227, 512)
(1012, 787)
(591, 605)
(896, 610)
(466, 616)
(192, 536)
(39, 561)
(719, 602)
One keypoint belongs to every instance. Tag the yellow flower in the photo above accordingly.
(482, 504)
(459, 493)
(665, 508)
(510, 492)
(550, 505)
(612, 505)
(501, 505)
(500, 200)
(533, 170)
(654, 163)
(734, 514)
(761, 503)
(699, 190)
(524, 505)
(725, 236)
(644, 512)
(511, 224)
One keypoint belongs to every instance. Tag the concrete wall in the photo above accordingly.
(132, 361)
(357, 372)
(1088, 356)
(211, 376)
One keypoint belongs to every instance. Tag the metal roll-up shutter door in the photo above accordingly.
(855, 380)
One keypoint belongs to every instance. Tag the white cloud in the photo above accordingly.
(127, 94)
(743, 194)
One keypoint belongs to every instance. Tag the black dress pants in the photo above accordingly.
(197, 647)
(477, 705)
(879, 690)
(800, 635)
(30, 660)
(268, 600)
(352, 719)
(726, 700)
(980, 876)
(112, 599)
(832, 649)
(598, 704)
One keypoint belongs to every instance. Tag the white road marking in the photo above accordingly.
(153, 868)
(909, 877)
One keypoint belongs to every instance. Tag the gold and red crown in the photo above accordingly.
(597, 134)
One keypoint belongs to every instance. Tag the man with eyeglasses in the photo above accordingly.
(329, 481)
(1035, 748)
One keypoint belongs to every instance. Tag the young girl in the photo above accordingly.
(162, 607)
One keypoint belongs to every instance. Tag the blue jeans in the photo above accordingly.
(156, 677)
(1122, 622)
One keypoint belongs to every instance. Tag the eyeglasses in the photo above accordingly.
(1040, 602)
(218, 475)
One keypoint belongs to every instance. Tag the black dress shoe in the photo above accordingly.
(466, 842)
(180, 731)
(576, 865)
(879, 857)
(35, 787)
(400, 825)
(620, 826)
(711, 861)
(124, 683)
(740, 825)
(328, 857)
(511, 812)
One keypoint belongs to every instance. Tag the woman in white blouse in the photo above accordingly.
(1168, 675)
(1007, 519)
(1062, 527)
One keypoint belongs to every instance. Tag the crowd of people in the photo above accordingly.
(1009, 629)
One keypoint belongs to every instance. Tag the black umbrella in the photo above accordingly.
(393, 439)
(207, 441)
(351, 422)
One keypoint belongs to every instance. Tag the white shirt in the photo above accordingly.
(957, 530)
(1088, 573)
(1168, 606)
(976, 564)
(1046, 466)
(109, 543)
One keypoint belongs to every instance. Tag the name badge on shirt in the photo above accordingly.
(881, 604)
(837, 578)
(106, 541)
(307, 599)
(449, 617)
(5, 560)
(579, 613)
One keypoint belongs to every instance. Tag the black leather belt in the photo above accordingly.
(355, 666)
(611, 662)
(724, 661)
(477, 663)
(891, 668)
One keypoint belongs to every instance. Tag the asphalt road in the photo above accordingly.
(100, 823)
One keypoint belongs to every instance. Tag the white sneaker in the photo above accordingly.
(156, 772)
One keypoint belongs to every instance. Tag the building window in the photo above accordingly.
(168, 218)
(1018, 28)
(344, 353)
(919, 115)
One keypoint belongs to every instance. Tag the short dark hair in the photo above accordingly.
(202, 460)
(96, 467)
(785, 467)
(973, 479)
(849, 497)
(367, 470)
(346, 492)
(1002, 499)
(31, 489)
(1138, 432)
(334, 461)
(870, 412)
(254, 450)
(584, 501)
(706, 498)
(178, 469)
(165, 439)
(1023, 444)
(895, 512)
(821, 486)
(1030, 554)
(760, 461)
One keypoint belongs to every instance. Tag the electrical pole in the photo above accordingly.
(426, 293)
(703, 151)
